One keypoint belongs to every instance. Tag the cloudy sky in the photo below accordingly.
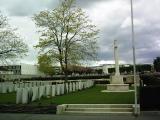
(112, 17)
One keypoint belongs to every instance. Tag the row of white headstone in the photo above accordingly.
(7, 87)
(28, 94)
(31, 91)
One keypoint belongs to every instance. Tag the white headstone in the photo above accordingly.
(77, 86)
(80, 85)
(25, 96)
(0, 87)
(30, 94)
(74, 86)
(85, 84)
(35, 93)
(88, 83)
(42, 91)
(19, 96)
(70, 87)
(4, 88)
(30, 84)
(15, 87)
(67, 89)
(26, 85)
(34, 84)
(62, 89)
(53, 90)
(58, 89)
(38, 83)
(11, 88)
(48, 90)
(21, 85)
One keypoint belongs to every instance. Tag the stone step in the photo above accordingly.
(96, 113)
(99, 106)
(101, 109)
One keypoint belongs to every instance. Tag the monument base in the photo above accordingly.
(118, 87)
(116, 79)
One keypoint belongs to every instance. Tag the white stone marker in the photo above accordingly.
(30, 84)
(0, 87)
(70, 87)
(38, 84)
(87, 84)
(19, 96)
(53, 90)
(67, 87)
(26, 85)
(48, 90)
(41, 91)
(16, 87)
(58, 89)
(11, 88)
(35, 93)
(80, 85)
(34, 84)
(74, 86)
(62, 88)
(25, 96)
(84, 85)
(20, 85)
(30, 94)
(4, 88)
(77, 86)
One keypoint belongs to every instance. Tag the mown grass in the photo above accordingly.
(89, 96)
(7, 98)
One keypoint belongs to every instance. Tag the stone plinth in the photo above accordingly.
(116, 79)
(118, 87)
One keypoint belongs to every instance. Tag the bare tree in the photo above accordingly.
(11, 46)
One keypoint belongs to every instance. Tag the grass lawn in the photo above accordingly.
(88, 96)
(7, 98)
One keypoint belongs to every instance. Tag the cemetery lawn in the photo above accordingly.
(89, 96)
(9, 98)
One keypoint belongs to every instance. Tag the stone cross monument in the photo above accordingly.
(117, 78)
(116, 81)
(116, 58)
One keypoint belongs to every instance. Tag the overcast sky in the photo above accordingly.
(112, 17)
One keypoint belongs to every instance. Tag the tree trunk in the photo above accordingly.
(66, 77)
(66, 68)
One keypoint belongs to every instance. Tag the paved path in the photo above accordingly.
(143, 116)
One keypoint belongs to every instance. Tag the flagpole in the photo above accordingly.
(134, 60)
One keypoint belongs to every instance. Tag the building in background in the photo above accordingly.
(105, 67)
(124, 68)
(12, 72)
(4, 73)
(19, 71)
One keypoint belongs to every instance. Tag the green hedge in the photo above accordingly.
(62, 77)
